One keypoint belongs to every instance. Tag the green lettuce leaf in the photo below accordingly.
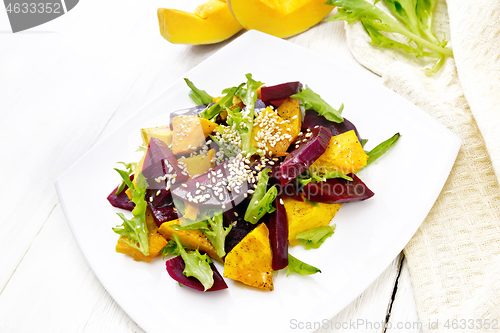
(311, 100)
(135, 229)
(197, 265)
(262, 202)
(312, 239)
(198, 96)
(170, 249)
(299, 267)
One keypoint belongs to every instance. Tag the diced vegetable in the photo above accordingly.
(289, 110)
(217, 178)
(175, 268)
(302, 216)
(313, 119)
(121, 200)
(275, 95)
(197, 265)
(156, 242)
(193, 239)
(343, 154)
(337, 190)
(250, 261)
(189, 133)
(300, 159)
(160, 166)
(162, 205)
(278, 236)
(162, 133)
(271, 133)
(196, 165)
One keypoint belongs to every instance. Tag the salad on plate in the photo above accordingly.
(238, 179)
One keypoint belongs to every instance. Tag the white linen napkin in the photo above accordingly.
(454, 258)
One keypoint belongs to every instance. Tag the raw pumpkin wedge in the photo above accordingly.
(250, 260)
(211, 22)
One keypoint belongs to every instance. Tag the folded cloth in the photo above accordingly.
(454, 258)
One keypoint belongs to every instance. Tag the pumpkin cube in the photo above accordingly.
(289, 110)
(189, 133)
(193, 239)
(271, 133)
(156, 242)
(303, 216)
(250, 260)
(162, 133)
(343, 154)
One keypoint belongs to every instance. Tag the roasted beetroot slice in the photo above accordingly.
(162, 205)
(337, 190)
(277, 103)
(279, 92)
(312, 119)
(160, 161)
(175, 268)
(203, 188)
(237, 233)
(300, 159)
(278, 236)
(121, 200)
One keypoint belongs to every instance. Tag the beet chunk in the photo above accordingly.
(312, 119)
(337, 190)
(275, 95)
(121, 200)
(278, 236)
(175, 268)
(300, 159)
(162, 205)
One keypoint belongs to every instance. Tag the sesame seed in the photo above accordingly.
(184, 185)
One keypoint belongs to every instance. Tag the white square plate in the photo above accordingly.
(369, 234)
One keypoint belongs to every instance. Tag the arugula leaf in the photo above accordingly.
(136, 229)
(322, 178)
(363, 142)
(299, 267)
(142, 149)
(381, 149)
(243, 121)
(198, 96)
(311, 100)
(224, 103)
(416, 24)
(312, 239)
(197, 265)
(262, 201)
(130, 170)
